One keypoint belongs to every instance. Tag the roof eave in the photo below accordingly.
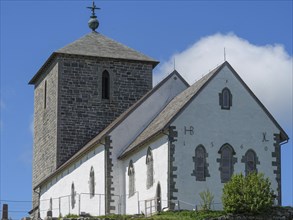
(284, 138)
(125, 154)
(54, 54)
(44, 66)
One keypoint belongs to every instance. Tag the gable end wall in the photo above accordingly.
(242, 127)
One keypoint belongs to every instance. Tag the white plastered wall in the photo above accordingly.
(134, 124)
(136, 203)
(59, 188)
(242, 127)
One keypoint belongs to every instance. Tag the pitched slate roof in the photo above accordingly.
(179, 103)
(97, 45)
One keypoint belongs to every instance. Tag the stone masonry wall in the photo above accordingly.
(45, 127)
(82, 111)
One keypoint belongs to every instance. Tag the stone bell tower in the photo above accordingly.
(79, 90)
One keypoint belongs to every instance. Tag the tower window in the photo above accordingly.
(92, 182)
(105, 85)
(131, 175)
(150, 168)
(225, 99)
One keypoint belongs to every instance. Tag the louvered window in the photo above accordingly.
(105, 85)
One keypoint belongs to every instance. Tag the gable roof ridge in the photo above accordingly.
(157, 126)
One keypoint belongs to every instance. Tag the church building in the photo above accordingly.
(107, 141)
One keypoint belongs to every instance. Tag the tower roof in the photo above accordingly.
(97, 45)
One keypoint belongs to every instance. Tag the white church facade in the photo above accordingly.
(169, 144)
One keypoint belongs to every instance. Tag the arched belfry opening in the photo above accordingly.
(105, 85)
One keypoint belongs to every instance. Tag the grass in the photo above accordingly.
(170, 215)
(184, 215)
(187, 215)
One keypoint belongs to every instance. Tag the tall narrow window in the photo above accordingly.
(225, 99)
(45, 95)
(105, 85)
(131, 176)
(226, 162)
(250, 162)
(73, 193)
(150, 168)
(200, 163)
(92, 182)
(51, 205)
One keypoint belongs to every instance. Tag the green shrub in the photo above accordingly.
(207, 199)
(250, 194)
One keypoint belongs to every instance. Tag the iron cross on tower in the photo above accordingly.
(93, 22)
(93, 8)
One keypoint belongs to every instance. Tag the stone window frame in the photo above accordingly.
(106, 84)
(72, 195)
(246, 160)
(131, 179)
(150, 168)
(232, 161)
(92, 182)
(225, 99)
(205, 165)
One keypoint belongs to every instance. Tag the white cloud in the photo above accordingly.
(267, 70)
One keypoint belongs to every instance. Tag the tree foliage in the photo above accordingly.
(250, 194)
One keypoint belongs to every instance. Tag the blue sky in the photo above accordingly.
(257, 36)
